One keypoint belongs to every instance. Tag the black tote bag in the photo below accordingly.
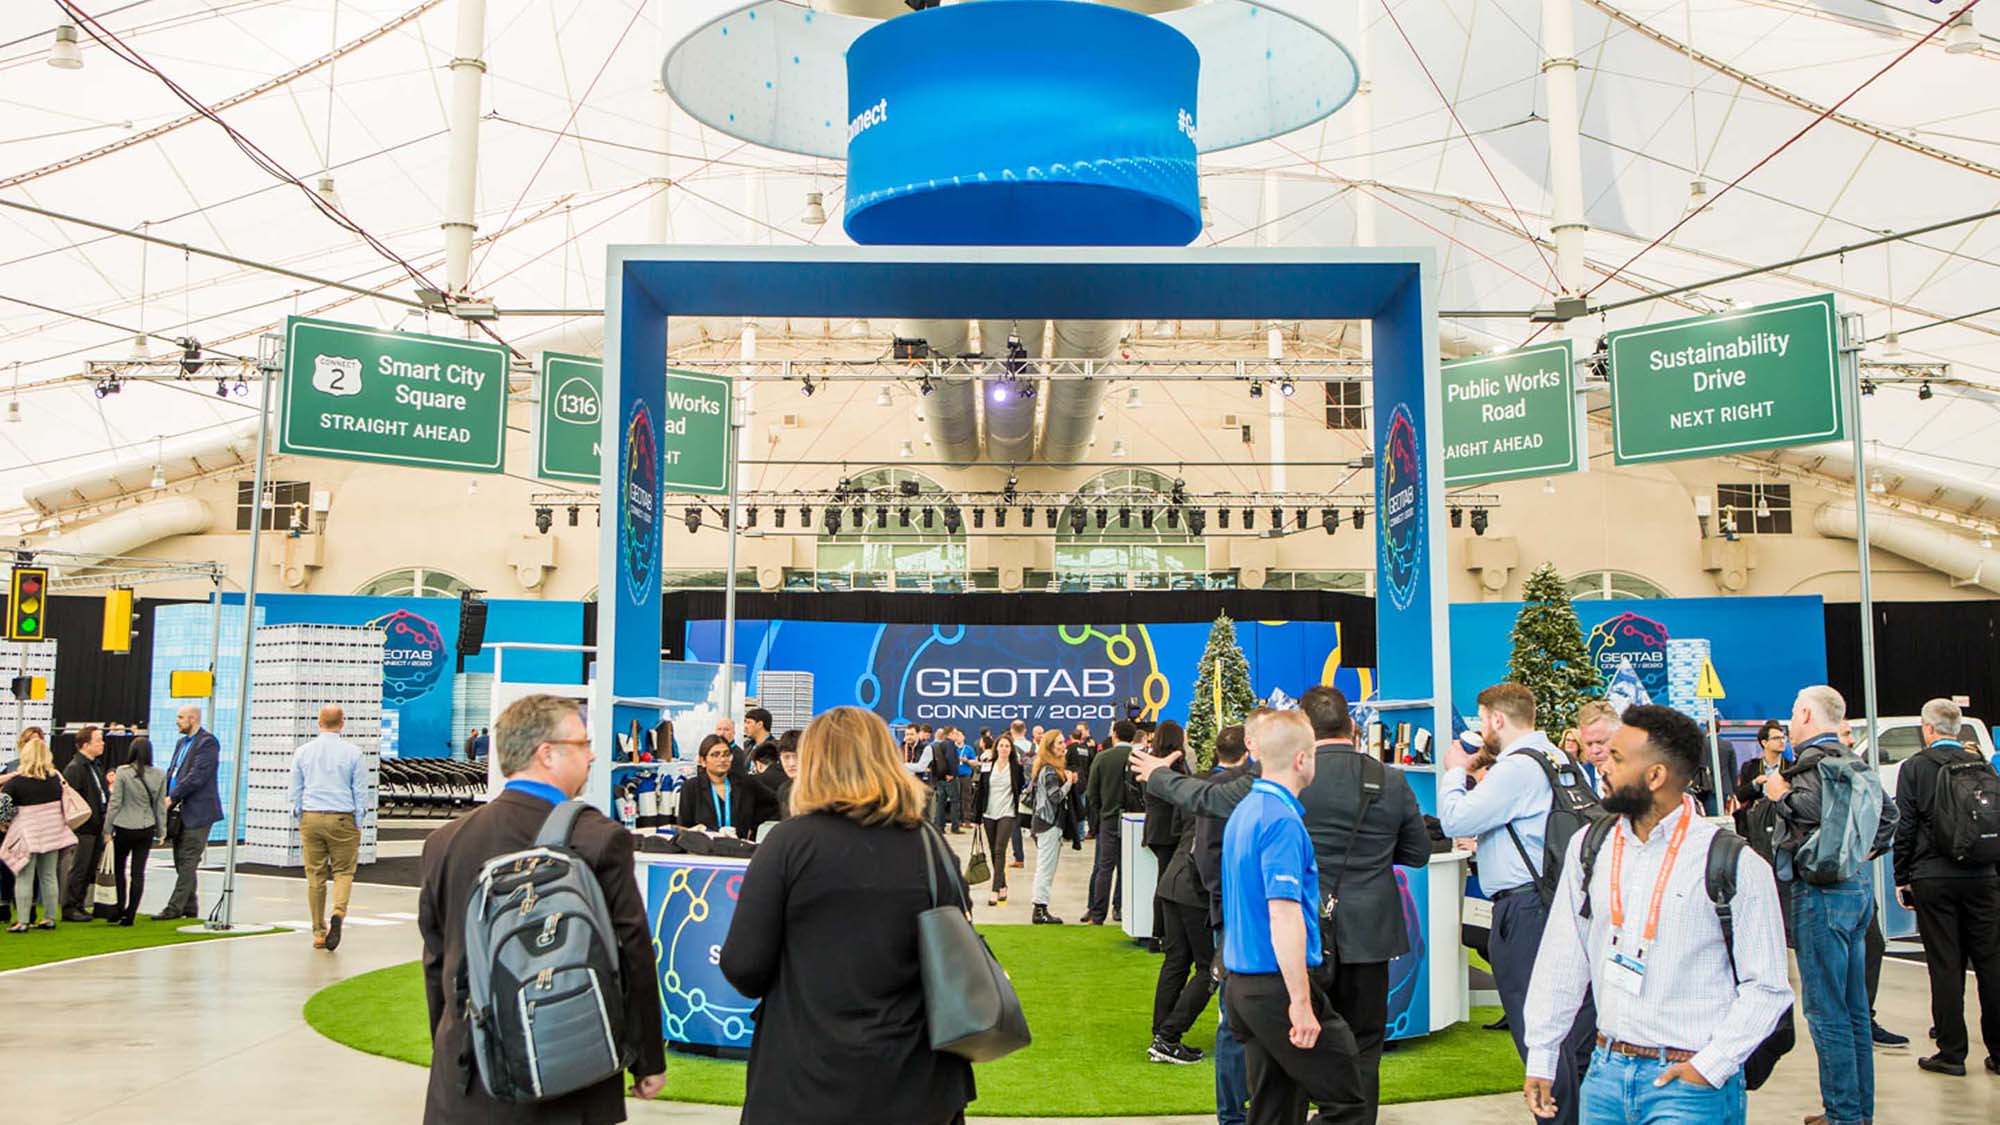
(969, 1003)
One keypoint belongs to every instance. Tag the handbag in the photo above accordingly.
(7, 810)
(104, 893)
(969, 1004)
(977, 868)
(76, 810)
(174, 827)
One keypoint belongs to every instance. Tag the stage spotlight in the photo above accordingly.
(1285, 388)
(831, 521)
(1277, 518)
(805, 515)
(544, 519)
(693, 519)
(1051, 514)
(1479, 521)
(1329, 520)
(1458, 517)
(572, 515)
(806, 388)
(1299, 519)
(882, 515)
(1173, 517)
(903, 515)
(1146, 519)
(1256, 389)
(1197, 521)
(222, 388)
(1924, 391)
(1028, 388)
(930, 517)
(924, 384)
(1124, 518)
(1180, 491)
(1012, 492)
(1001, 391)
(906, 487)
(1868, 386)
(1222, 518)
(1101, 518)
(778, 515)
(1249, 519)
(1076, 519)
(953, 520)
(1359, 517)
(750, 514)
(860, 519)
(978, 518)
(999, 517)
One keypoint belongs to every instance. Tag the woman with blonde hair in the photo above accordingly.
(35, 841)
(1051, 787)
(825, 932)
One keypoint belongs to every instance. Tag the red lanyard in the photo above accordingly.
(1659, 882)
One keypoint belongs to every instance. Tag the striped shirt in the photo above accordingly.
(1688, 999)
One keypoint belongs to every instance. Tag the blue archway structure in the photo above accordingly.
(1394, 289)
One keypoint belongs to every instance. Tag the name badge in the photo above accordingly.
(1624, 972)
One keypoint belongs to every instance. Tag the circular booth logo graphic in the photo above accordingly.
(639, 505)
(1630, 637)
(1400, 493)
(413, 659)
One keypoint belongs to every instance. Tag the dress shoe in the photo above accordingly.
(1937, 1065)
(1016, 863)
(77, 916)
(1499, 1024)
(126, 920)
(333, 933)
(1820, 1119)
(1884, 1037)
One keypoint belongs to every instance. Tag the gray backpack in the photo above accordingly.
(1850, 811)
(544, 997)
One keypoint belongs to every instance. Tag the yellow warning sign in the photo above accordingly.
(1709, 686)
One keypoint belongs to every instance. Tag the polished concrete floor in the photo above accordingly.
(212, 1033)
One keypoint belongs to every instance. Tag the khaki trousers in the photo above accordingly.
(329, 840)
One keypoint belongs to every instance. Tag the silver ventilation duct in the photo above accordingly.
(1919, 541)
(1010, 414)
(1073, 403)
(951, 409)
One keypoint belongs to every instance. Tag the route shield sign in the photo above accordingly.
(695, 434)
(365, 394)
(1510, 415)
(1754, 378)
(570, 423)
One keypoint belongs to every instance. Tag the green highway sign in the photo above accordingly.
(364, 394)
(1510, 415)
(695, 436)
(1750, 379)
(570, 424)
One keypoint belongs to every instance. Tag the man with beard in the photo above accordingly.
(1681, 1000)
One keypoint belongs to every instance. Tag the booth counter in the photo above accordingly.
(690, 901)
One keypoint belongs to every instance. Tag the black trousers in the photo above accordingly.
(1283, 1077)
(997, 832)
(76, 894)
(1104, 870)
(1185, 980)
(1359, 991)
(130, 847)
(1518, 921)
(1163, 854)
(1959, 921)
(1875, 947)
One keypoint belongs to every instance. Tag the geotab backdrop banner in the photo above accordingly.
(1764, 649)
(975, 676)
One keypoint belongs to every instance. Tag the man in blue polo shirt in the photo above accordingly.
(1295, 1046)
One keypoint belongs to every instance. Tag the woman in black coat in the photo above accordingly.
(718, 789)
(999, 812)
(825, 935)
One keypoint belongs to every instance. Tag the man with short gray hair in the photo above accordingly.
(194, 803)
(545, 752)
(1956, 898)
(330, 801)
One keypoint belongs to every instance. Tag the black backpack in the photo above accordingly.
(1965, 822)
(1720, 878)
(944, 762)
(1573, 808)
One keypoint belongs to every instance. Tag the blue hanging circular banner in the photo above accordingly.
(1022, 123)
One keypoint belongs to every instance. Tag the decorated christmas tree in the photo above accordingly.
(1549, 654)
(1208, 712)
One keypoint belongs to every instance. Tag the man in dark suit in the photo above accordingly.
(545, 755)
(1356, 864)
(85, 774)
(192, 791)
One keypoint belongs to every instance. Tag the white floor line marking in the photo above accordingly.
(148, 949)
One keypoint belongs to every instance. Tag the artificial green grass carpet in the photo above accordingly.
(1088, 993)
(88, 939)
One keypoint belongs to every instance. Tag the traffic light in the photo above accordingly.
(27, 604)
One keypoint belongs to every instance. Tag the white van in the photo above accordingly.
(1902, 738)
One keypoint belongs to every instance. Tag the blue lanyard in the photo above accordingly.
(721, 805)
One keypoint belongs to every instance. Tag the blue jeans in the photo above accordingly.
(1619, 1090)
(1232, 1075)
(1831, 925)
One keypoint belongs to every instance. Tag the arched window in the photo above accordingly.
(1123, 529)
(897, 531)
(421, 582)
(1612, 585)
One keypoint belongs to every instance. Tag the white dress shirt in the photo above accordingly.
(1514, 792)
(1688, 999)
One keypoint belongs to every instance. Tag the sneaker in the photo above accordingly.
(1938, 1065)
(1885, 1038)
(1179, 1054)
(333, 933)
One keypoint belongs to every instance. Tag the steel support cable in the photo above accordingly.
(1389, 10)
(262, 88)
(1821, 113)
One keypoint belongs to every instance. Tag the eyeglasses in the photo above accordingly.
(566, 742)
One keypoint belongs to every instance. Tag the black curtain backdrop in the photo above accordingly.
(1923, 651)
(1356, 614)
(94, 686)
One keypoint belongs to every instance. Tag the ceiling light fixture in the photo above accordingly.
(1256, 389)
(815, 209)
(806, 388)
(63, 54)
(1118, 448)
(324, 189)
(882, 397)
(1924, 391)
(907, 451)
(1961, 38)
(1132, 399)
(1876, 484)
(1285, 388)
